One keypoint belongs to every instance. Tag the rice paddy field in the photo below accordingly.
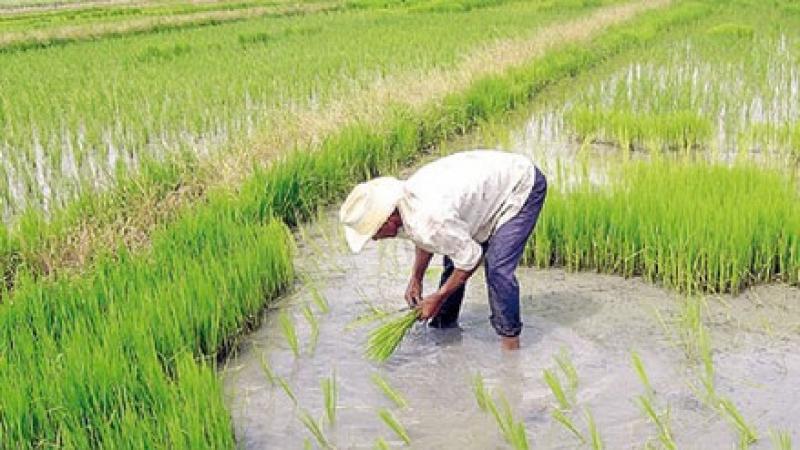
(171, 277)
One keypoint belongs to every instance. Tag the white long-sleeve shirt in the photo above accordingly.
(454, 204)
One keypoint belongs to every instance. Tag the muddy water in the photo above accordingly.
(595, 320)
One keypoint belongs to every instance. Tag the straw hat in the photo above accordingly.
(366, 209)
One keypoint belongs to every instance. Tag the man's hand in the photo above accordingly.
(430, 306)
(413, 292)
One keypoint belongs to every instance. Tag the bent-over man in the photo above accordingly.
(469, 206)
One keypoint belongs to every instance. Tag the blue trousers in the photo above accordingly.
(501, 255)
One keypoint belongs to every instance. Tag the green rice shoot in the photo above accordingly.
(552, 380)
(313, 426)
(330, 393)
(313, 323)
(289, 332)
(388, 391)
(388, 418)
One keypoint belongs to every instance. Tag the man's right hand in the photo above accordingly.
(413, 292)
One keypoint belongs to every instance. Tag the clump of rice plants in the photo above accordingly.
(693, 226)
(388, 418)
(388, 391)
(565, 406)
(513, 431)
(385, 339)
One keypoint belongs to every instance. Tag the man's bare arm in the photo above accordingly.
(432, 303)
(422, 259)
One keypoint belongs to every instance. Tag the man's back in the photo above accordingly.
(480, 187)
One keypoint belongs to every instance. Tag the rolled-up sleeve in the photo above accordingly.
(452, 238)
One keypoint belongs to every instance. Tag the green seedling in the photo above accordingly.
(747, 434)
(330, 393)
(314, 427)
(662, 424)
(269, 374)
(567, 423)
(313, 323)
(389, 419)
(638, 366)
(594, 433)
(481, 394)
(316, 296)
(380, 444)
(551, 379)
(388, 391)
(513, 432)
(289, 332)
(286, 389)
(781, 440)
(569, 371)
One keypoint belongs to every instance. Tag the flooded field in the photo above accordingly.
(593, 322)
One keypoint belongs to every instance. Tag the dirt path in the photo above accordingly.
(142, 25)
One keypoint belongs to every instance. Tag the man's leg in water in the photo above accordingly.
(447, 317)
(502, 256)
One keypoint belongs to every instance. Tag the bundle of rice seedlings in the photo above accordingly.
(384, 339)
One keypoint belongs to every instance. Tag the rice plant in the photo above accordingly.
(284, 385)
(513, 431)
(289, 331)
(646, 404)
(384, 340)
(313, 323)
(314, 427)
(638, 367)
(482, 396)
(330, 394)
(388, 418)
(568, 423)
(781, 440)
(554, 383)
(319, 300)
(388, 391)
(681, 223)
(380, 444)
(568, 370)
(269, 374)
(594, 434)
(661, 422)
(747, 433)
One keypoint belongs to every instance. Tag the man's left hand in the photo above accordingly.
(430, 306)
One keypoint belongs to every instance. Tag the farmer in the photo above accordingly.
(469, 206)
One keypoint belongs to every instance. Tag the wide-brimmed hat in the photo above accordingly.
(366, 209)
